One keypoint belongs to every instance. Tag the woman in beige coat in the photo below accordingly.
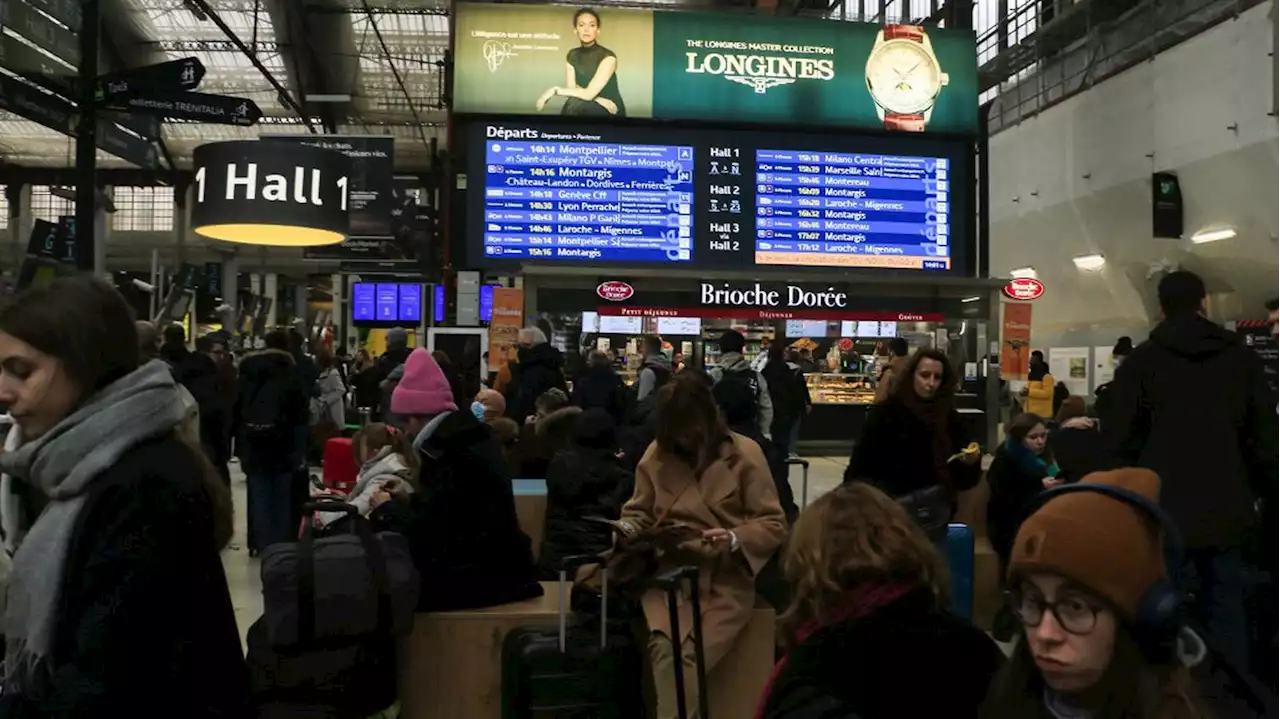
(699, 474)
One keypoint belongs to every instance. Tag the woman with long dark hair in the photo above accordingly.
(915, 447)
(1081, 568)
(869, 620)
(117, 604)
(717, 485)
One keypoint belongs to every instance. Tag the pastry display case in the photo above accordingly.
(832, 388)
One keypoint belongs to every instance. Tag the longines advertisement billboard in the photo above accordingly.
(614, 63)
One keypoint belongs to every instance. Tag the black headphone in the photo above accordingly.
(1159, 614)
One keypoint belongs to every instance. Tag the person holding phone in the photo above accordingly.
(714, 486)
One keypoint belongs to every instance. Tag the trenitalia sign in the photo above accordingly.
(612, 62)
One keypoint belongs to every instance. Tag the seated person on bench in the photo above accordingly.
(461, 522)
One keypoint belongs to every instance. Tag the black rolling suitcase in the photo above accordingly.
(573, 671)
(672, 580)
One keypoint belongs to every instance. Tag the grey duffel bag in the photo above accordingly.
(336, 589)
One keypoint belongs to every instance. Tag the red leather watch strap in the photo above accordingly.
(906, 123)
(904, 32)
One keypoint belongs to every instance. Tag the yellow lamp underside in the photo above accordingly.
(271, 235)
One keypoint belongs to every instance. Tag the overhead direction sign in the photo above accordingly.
(49, 110)
(66, 12)
(22, 59)
(126, 146)
(23, 19)
(172, 76)
(197, 106)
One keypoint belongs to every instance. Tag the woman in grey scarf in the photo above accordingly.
(117, 603)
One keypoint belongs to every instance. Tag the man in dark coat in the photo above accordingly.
(199, 372)
(538, 371)
(600, 387)
(1191, 403)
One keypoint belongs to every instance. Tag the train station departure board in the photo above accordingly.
(570, 194)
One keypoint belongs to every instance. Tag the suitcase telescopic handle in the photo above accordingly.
(571, 564)
(672, 580)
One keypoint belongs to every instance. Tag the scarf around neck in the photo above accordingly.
(64, 464)
(858, 602)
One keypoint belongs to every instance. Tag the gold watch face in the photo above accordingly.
(903, 78)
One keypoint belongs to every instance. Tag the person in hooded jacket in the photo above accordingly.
(655, 368)
(734, 368)
(537, 370)
(271, 408)
(117, 601)
(397, 352)
(585, 480)
(869, 633)
(1192, 404)
(174, 347)
(461, 521)
(545, 433)
(600, 387)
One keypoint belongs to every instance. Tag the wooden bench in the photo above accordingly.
(451, 664)
(531, 509)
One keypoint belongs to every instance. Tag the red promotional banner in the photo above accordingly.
(1015, 341)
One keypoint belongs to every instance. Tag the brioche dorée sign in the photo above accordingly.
(783, 297)
(1023, 288)
(615, 291)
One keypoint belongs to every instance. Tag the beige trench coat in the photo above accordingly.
(735, 493)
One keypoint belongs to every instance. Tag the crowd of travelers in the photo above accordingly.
(115, 506)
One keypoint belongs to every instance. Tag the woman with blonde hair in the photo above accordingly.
(868, 633)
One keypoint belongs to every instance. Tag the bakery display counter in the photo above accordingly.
(840, 406)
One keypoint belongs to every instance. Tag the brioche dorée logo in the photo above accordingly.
(615, 291)
(1023, 288)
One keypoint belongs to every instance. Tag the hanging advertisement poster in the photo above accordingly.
(504, 330)
(1015, 341)
(615, 62)
(369, 194)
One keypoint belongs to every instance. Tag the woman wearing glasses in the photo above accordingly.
(1080, 567)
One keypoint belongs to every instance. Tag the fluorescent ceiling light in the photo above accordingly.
(970, 299)
(328, 98)
(1024, 273)
(1213, 235)
(1089, 262)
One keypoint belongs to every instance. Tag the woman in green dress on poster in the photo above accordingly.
(591, 80)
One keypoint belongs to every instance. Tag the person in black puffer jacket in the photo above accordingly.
(601, 387)
(584, 480)
(461, 521)
(538, 369)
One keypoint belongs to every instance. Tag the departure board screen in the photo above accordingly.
(851, 210)
(560, 193)
(588, 201)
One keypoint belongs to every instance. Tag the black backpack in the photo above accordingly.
(263, 412)
(738, 395)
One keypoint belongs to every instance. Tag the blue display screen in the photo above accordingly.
(362, 302)
(486, 303)
(568, 193)
(411, 303)
(588, 201)
(851, 210)
(386, 302)
(438, 308)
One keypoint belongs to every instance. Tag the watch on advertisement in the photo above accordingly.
(904, 77)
